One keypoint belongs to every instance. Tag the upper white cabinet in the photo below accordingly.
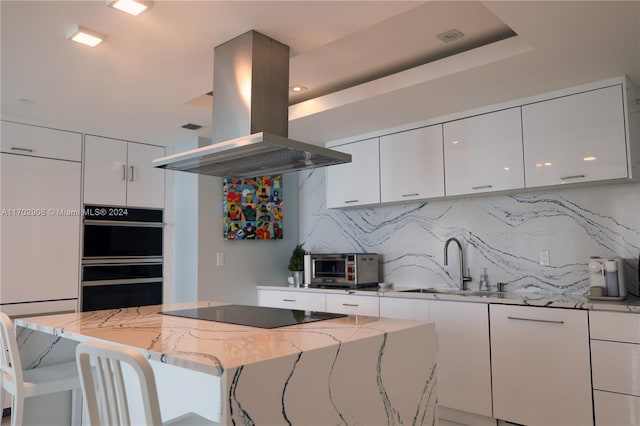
(120, 173)
(484, 153)
(576, 138)
(411, 165)
(38, 141)
(540, 365)
(356, 183)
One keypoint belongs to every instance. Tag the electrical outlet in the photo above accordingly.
(220, 259)
(544, 257)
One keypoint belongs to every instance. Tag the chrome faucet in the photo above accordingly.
(463, 279)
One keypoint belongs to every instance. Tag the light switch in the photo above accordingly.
(220, 259)
(544, 257)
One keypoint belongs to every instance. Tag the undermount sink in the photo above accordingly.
(482, 293)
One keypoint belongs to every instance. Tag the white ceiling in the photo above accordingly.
(139, 83)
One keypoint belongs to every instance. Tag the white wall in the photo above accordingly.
(247, 262)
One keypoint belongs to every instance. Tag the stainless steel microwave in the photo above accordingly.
(344, 270)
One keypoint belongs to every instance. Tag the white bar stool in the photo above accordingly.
(105, 392)
(22, 384)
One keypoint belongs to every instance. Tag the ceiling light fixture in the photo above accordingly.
(85, 36)
(132, 7)
(298, 88)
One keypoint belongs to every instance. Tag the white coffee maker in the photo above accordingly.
(606, 278)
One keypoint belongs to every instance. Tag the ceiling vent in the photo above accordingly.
(450, 35)
(191, 126)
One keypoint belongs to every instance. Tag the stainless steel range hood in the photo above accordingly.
(251, 116)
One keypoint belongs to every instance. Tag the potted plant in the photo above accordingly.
(296, 264)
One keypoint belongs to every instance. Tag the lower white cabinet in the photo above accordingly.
(352, 304)
(40, 240)
(464, 361)
(540, 365)
(615, 366)
(292, 299)
(396, 307)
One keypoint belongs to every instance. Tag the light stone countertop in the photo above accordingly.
(207, 346)
(573, 301)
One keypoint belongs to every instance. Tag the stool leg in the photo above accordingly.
(76, 407)
(17, 410)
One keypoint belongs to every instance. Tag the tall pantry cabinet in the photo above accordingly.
(40, 175)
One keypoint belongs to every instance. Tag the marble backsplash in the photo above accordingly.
(502, 233)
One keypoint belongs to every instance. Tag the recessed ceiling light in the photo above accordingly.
(132, 7)
(297, 88)
(86, 36)
(589, 158)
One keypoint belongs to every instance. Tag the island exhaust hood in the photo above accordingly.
(251, 116)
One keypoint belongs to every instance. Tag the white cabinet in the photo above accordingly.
(575, 138)
(412, 165)
(120, 173)
(356, 183)
(484, 153)
(540, 365)
(615, 367)
(464, 362)
(413, 309)
(40, 240)
(292, 300)
(38, 141)
(352, 304)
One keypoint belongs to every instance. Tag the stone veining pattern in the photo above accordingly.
(503, 233)
(341, 371)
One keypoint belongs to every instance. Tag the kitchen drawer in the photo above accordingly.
(353, 305)
(616, 326)
(613, 409)
(292, 299)
(616, 367)
(36, 141)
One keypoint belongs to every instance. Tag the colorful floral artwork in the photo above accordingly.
(252, 208)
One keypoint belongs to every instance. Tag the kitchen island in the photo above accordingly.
(350, 370)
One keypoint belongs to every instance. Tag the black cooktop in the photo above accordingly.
(253, 316)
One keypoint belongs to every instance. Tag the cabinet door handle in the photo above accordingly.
(354, 305)
(131, 177)
(415, 194)
(351, 201)
(15, 148)
(573, 177)
(535, 320)
(124, 172)
(481, 187)
(288, 300)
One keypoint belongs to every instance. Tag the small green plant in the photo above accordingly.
(296, 263)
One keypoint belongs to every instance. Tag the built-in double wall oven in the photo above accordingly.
(121, 257)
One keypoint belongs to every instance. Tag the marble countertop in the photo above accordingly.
(574, 301)
(206, 346)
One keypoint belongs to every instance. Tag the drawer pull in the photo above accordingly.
(536, 320)
(481, 187)
(15, 148)
(288, 300)
(573, 177)
(354, 305)
(415, 194)
(351, 201)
